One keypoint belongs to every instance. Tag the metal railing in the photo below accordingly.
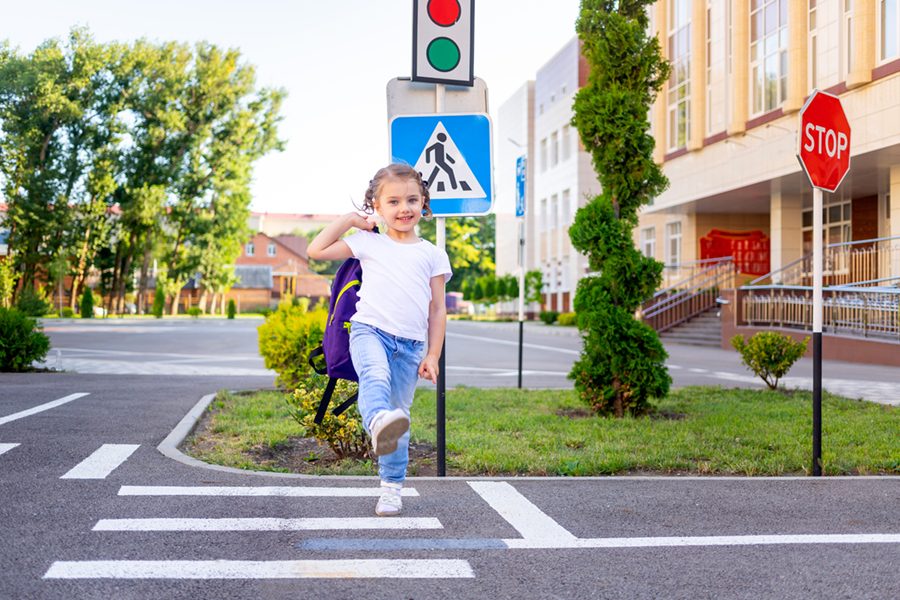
(691, 296)
(843, 263)
(869, 309)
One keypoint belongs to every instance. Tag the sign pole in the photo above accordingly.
(817, 333)
(441, 406)
(521, 292)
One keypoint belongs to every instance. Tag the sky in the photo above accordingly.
(333, 57)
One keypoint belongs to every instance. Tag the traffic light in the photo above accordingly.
(443, 37)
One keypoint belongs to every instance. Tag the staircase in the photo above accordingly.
(703, 330)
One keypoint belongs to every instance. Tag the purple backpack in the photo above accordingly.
(335, 346)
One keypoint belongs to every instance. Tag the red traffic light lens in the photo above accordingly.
(444, 12)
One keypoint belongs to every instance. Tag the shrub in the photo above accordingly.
(232, 309)
(286, 339)
(33, 302)
(769, 354)
(67, 312)
(21, 341)
(548, 316)
(159, 302)
(344, 433)
(195, 311)
(8, 278)
(568, 319)
(87, 304)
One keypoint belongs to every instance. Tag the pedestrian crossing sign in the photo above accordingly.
(453, 153)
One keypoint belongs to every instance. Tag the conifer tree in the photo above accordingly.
(622, 364)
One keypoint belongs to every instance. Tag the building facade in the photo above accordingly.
(726, 125)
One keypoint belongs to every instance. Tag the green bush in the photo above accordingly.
(21, 341)
(195, 311)
(32, 302)
(548, 316)
(769, 354)
(568, 319)
(231, 310)
(344, 433)
(87, 304)
(159, 302)
(8, 278)
(286, 339)
(67, 312)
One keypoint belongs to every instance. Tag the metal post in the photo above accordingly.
(441, 416)
(521, 293)
(817, 333)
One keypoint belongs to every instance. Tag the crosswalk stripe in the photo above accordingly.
(286, 491)
(244, 569)
(519, 512)
(7, 447)
(101, 462)
(726, 540)
(41, 408)
(265, 524)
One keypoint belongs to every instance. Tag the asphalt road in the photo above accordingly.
(90, 508)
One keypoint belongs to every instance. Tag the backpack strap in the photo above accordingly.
(325, 401)
(345, 404)
(321, 370)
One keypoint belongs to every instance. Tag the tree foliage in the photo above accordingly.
(471, 245)
(622, 364)
(116, 155)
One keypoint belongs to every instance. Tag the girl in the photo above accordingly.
(401, 307)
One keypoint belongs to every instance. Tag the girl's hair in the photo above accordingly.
(396, 171)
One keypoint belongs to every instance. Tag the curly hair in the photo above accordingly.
(396, 171)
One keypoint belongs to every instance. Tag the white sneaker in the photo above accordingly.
(390, 503)
(387, 427)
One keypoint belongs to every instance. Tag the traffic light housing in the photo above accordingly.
(443, 38)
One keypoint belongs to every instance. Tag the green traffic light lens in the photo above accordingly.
(443, 54)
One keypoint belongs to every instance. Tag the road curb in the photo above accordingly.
(169, 447)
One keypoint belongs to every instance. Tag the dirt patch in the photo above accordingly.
(575, 413)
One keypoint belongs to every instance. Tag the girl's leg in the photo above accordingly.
(370, 359)
(404, 365)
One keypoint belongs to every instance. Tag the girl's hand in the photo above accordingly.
(429, 368)
(361, 222)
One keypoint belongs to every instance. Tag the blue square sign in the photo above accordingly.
(454, 155)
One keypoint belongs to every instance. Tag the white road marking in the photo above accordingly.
(287, 491)
(509, 343)
(245, 569)
(731, 540)
(265, 524)
(519, 512)
(101, 462)
(7, 447)
(41, 408)
(696, 370)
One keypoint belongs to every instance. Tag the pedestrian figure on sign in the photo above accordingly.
(441, 158)
(398, 329)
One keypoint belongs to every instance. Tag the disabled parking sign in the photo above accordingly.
(453, 153)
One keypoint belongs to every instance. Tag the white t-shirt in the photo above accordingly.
(396, 286)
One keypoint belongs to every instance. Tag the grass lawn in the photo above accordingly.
(698, 430)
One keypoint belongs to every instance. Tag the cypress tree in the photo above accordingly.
(87, 303)
(622, 364)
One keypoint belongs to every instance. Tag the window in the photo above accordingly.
(554, 149)
(889, 28)
(554, 212)
(271, 249)
(543, 155)
(673, 243)
(709, 52)
(680, 79)
(648, 242)
(566, 142)
(545, 221)
(847, 49)
(249, 249)
(813, 66)
(566, 208)
(835, 221)
(768, 53)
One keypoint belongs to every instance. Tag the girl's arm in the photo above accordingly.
(437, 326)
(328, 244)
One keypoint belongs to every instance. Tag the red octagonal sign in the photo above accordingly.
(824, 141)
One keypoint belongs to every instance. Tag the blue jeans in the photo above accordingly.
(388, 369)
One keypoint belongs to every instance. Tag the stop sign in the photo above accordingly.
(824, 141)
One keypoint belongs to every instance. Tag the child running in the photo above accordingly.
(401, 307)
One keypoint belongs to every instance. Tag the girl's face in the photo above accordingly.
(400, 203)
